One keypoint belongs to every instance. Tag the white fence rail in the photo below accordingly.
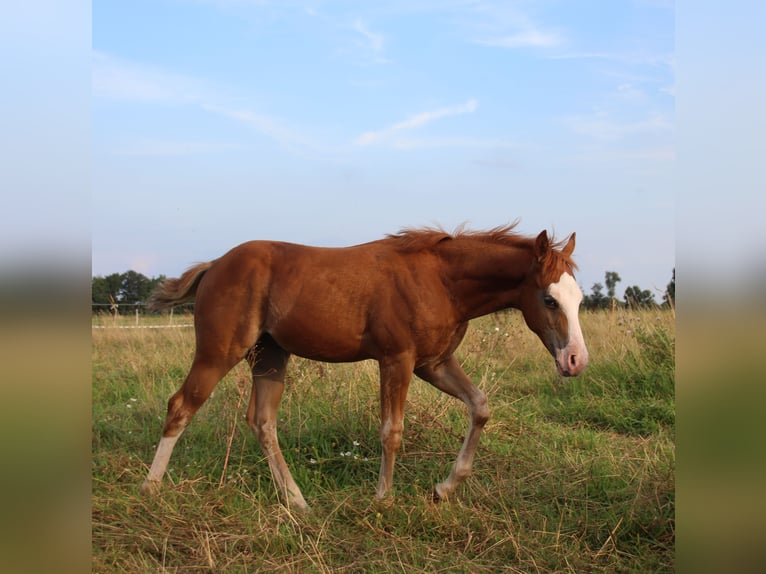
(106, 316)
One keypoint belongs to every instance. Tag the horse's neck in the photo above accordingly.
(485, 277)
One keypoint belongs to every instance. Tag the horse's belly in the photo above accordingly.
(320, 341)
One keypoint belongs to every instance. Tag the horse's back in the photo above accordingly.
(335, 304)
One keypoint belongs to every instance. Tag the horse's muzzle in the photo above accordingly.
(571, 364)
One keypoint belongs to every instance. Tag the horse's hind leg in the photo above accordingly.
(226, 325)
(269, 363)
(203, 376)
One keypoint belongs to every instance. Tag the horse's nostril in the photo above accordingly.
(573, 360)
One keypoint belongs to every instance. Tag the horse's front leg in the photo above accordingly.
(395, 375)
(450, 378)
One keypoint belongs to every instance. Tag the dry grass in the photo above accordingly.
(570, 476)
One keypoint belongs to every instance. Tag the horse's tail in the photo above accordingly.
(172, 292)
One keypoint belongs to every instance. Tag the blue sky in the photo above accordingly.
(334, 123)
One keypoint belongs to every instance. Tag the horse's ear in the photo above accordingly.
(569, 247)
(542, 245)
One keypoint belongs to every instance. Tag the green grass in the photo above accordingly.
(572, 475)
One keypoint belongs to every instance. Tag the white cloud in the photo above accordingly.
(124, 80)
(636, 58)
(115, 78)
(374, 40)
(477, 143)
(416, 121)
(586, 56)
(669, 90)
(507, 25)
(531, 38)
(601, 155)
(630, 94)
(602, 126)
(172, 148)
(268, 126)
(367, 46)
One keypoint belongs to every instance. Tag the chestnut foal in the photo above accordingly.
(404, 301)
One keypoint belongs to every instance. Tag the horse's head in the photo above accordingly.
(551, 302)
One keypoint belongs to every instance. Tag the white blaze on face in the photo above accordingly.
(571, 359)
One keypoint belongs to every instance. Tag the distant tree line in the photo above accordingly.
(634, 297)
(121, 292)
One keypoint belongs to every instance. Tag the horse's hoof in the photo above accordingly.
(438, 497)
(150, 487)
(384, 503)
(303, 509)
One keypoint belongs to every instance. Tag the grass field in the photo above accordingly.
(572, 475)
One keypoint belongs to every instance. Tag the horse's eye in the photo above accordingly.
(550, 302)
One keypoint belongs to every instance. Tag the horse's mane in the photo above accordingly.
(418, 239)
(411, 240)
